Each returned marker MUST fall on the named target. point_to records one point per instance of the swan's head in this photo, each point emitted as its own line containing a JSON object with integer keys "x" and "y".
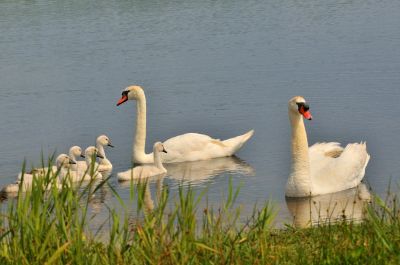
{"x": 75, "y": 151}
{"x": 64, "y": 161}
{"x": 92, "y": 151}
{"x": 130, "y": 93}
{"x": 104, "y": 140}
{"x": 159, "y": 147}
{"x": 299, "y": 106}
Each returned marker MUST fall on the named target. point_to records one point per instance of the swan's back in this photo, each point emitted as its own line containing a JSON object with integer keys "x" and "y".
{"x": 140, "y": 172}
{"x": 195, "y": 147}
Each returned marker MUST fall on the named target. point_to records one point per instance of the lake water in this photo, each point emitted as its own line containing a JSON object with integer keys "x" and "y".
{"x": 214, "y": 67}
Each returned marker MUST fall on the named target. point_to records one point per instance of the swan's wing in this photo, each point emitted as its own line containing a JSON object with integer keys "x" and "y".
{"x": 188, "y": 142}
{"x": 321, "y": 154}
{"x": 191, "y": 147}
{"x": 331, "y": 149}
{"x": 195, "y": 147}
{"x": 339, "y": 173}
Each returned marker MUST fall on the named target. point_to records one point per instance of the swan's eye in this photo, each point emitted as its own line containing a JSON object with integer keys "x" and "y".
{"x": 302, "y": 105}
{"x": 124, "y": 93}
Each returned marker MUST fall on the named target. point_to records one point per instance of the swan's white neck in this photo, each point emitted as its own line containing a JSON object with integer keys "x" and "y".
{"x": 299, "y": 182}
{"x": 157, "y": 160}
{"x": 89, "y": 160}
{"x": 100, "y": 149}
{"x": 139, "y": 141}
{"x": 72, "y": 156}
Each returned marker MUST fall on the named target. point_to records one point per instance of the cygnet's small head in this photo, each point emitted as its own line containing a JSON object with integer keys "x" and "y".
{"x": 75, "y": 151}
{"x": 92, "y": 151}
{"x": 130, "y": 93}
{"x": 64, "y": 161}
{"x": 159, "y": 147}
{"x": 104, "y": 140}
{"x": 299, "y": 106}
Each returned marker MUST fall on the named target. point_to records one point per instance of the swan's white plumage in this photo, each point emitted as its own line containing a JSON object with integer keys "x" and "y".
{"x": 104, "y": 163}
{"x": 324, "y": 167}
{"x": 146, "y": 171}
{"x": 332, "y": 174}
{"x": 195, "y": 147}
{"x": 84, "y": 175}
{"x": 186, "y": 147}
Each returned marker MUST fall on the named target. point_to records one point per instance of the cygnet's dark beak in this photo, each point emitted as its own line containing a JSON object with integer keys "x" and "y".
{"x": 110, "y": 145}
{"x": 72, "y": 162}
{"x": 83, "y": 156}
{"x": 100, "y": 156}
{"x": 164, "y": 151}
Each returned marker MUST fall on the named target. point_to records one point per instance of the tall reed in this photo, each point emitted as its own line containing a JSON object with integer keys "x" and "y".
{"x": 53, "y": 227}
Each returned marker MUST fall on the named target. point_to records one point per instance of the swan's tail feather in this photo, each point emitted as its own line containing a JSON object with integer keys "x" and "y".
{"x": 367, "y": 158}
{"x": 237, "y": 142}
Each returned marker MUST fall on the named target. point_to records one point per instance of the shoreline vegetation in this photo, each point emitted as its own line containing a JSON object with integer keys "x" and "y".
{"x": 53, "y": 227}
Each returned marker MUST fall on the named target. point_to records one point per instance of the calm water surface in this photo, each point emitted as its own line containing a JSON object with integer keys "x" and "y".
{"x": 214, "y": 67}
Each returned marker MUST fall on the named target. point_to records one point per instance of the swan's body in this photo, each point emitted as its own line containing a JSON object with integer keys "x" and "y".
{"x": 104, "y": 163}
{"x": 146, "y": 171}
{"x": 83, "y": 175}
{"x": 63, "y": 163}
{"x": 186, "y": 147}
{"x": 324, "y": 167}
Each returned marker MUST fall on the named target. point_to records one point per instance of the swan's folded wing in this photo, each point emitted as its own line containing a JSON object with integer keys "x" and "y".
{"x": 321, "y": 154}
{"x": 191, "y": 147}
{"x": 188, "y": 142}
{"x": 331, "y": 149}
{"x": 352, "y": 162}
{"x": 340, "y": 173}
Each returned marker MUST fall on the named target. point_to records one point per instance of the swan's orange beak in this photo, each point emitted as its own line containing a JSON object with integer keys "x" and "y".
{"x": 306, "y": 113}
{"x": 122, "y": 100}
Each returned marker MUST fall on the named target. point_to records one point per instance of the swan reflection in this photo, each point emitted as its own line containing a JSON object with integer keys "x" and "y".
{"x": 147, "y": 199}
{"x": 197, "y": 172}
{"x": 345, "y": 205}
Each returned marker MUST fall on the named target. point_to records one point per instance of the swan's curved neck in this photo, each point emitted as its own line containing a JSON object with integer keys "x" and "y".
{"x": 139, "y": 141}
{"x": 89, "y": 160}
{"x": 300, "y": 180}
{"x": 100, "y": 148}
{"x": 157, "y": 160}
{"x": 72, "y": 156}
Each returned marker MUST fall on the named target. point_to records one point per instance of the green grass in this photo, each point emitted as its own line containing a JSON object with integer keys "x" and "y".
{"x": 52, "y": 227}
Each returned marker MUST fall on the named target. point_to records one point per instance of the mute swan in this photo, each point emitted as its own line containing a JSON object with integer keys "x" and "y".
{"x": 185, "y": 147}
{"x": 324, "y": 167}
{"x": 63, "y": 163}
{"x": 104, "y": 163}
{"x": 90, "y": 158}
{"x": 146, "y": 170}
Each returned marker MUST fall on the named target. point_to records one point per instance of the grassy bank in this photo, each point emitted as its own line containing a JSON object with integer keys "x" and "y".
{"x": 52, "y": 227}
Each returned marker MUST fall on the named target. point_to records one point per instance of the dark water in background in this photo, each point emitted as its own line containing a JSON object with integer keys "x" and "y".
{"x": 214, "y": 67}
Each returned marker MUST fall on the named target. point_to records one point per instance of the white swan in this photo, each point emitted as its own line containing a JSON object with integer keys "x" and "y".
{"x": 63, "y": 163}
{"x": 91, "y": 170}
{"x": 185, "y": 147}
{"x": 104, "y": 163}
{"x": 146, "y": 171}
{"x": 324, "y": 167}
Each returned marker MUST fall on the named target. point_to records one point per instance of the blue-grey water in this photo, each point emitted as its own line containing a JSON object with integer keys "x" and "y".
{"x": 214, "y": 67}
